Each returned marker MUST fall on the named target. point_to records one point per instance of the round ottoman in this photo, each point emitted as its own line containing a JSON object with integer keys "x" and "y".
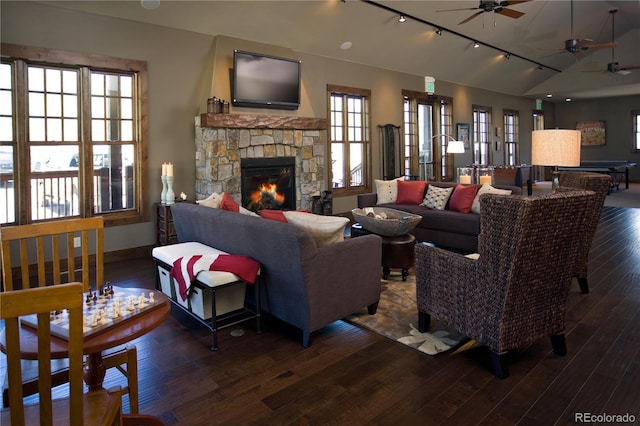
{"x": 397, "y": 252}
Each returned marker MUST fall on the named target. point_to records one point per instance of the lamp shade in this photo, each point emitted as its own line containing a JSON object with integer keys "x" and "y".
{"x": 555, "y": 147}
{"x": 455, "y": 147}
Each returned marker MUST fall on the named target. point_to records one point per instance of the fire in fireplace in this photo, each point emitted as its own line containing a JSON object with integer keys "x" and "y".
{"x": 268, "y": 183}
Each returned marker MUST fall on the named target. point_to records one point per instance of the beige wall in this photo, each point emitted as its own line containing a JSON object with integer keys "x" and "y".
{"x": 186, "y": 68}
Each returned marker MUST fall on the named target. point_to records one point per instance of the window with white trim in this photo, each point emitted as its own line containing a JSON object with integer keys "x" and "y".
{"x": 481, "y": 135}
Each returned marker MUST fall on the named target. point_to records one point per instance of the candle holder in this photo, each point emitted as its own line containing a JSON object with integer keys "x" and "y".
{"x": 484, "y": 175}
{"x": 163, "y": 194}
{"x": 170, "y": 196}
{"x": 465, "y": 175}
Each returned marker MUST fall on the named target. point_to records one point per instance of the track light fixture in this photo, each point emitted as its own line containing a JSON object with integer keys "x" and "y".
{"x": 439, "y": 29}
{"x": 402, "y": 19}
{"x": 476, "y": 44}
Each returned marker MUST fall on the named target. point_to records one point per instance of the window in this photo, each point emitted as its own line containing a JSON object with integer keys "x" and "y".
{"x": 511, "y": 131}
{"x": 349, "y": 154}
{"x": 76, "y": 136}
{"x": 635, "y": 115}
{"x": 428, "y": 123}
{"x": 481, "y": 135}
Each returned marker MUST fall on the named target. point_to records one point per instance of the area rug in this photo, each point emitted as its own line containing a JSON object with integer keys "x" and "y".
{"x": 397, "y": 319}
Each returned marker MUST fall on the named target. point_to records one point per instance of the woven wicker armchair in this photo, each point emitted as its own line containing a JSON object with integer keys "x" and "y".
{"x": 600, "y": 184}
{"x": 516, "y": 291}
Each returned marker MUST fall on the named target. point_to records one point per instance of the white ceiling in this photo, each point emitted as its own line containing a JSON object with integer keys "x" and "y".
{"x": 378, "y": 39}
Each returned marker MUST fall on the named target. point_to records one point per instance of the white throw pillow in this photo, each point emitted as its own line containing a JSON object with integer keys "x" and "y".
{"x": 248, "y": 212}
{"x": 486, "y": 189}
{"x": 387, "y": 190}
{"x": 212, "y": 201}
{"x": 325, "y": 230}
{"x": 436, "y": 197}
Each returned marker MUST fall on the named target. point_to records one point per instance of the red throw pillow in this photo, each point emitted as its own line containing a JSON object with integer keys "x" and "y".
{"x": 277, "y": 215}
{"x": 228, "y": 203}
{"x": 462, "y": 198}
{"x": 410, "y": 191}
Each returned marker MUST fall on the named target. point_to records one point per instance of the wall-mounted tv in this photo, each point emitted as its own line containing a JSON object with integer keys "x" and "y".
{"x": 265, "y": 81}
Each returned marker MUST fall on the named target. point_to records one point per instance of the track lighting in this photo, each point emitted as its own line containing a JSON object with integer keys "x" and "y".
{"x": 476, "y": 44}
{"x": 540, "y": 67}
{"x": 439, "y": 31}
{"x": 507, "y": 55}
{"x": 402, "y": 19}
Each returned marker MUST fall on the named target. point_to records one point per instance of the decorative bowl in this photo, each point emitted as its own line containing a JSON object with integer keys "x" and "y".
{"x": 385, "y": 221}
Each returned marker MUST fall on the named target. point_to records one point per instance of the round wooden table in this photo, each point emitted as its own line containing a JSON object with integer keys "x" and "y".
{"x": 117, "y": 334}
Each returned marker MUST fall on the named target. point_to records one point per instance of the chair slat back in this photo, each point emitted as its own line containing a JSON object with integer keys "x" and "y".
{"x": 51, "y": 246}
{"x": 42, "y": 301}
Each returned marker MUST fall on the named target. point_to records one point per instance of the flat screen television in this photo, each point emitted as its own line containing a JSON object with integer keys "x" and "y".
{"x": 265, "y": 81}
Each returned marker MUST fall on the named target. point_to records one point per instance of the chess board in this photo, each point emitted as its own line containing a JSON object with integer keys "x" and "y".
{"x": 100, "y": 304}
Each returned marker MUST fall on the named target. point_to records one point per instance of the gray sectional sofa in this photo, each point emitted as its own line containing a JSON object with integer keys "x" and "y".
{"x": 444, "y": 228}
{"x": 303, "y": 285}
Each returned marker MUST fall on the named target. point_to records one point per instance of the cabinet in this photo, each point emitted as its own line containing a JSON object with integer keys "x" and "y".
{"x": 164, "y": 225}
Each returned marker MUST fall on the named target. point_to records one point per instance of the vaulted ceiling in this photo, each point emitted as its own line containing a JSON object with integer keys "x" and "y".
{"x": 378, "y": 39}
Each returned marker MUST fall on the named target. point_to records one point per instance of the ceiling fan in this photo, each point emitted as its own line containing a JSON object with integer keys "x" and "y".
{"x": 579, "y": 46}
{"x": 614, "y": 66}
{"x": 499, "y": 7}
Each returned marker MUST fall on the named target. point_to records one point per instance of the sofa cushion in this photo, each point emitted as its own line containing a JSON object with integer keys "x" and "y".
{"x": 212, "y": 200}
{"x": 325, "y": 230}
{"x": 277, "y": 215}
{"x": 486, "y": 189}
{"x": 228, "y": 203}
{"x": 387, "y": 190}
{"x": 436, "y": 198}
{"x": 462, "y": 198}
{"x": 410, "y": 191}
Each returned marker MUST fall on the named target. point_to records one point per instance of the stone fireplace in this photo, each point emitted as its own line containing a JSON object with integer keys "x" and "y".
{"x": 224, "y": 140}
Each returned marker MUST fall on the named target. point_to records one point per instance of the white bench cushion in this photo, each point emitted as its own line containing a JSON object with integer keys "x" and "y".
{"x": 169, "y": 254}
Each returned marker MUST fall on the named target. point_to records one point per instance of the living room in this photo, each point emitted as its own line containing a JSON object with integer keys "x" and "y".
{"x": 185, "y": 68}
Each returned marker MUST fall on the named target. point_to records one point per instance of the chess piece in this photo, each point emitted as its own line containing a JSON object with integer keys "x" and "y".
{"x": 88, "y": 301}
{"x": 151, "y": 300}
{"x": 94, "y": 320}
{"x": 95, "y": 297}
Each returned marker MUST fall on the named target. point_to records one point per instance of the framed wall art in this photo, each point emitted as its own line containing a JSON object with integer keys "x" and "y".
{"x": 462, "y": 130}
{"x": 592, "y": 133}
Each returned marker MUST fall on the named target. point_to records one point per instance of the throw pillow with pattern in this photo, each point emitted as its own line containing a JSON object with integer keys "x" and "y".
{"x": 436, "y": 198}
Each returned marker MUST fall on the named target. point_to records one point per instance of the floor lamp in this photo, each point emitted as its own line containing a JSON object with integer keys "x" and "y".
{"x": 555, "y": 147}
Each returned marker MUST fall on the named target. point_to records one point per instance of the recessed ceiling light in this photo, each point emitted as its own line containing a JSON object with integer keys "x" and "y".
{"x": 402, "y": 19}
{"x": 567, "y": 99}
{"x": 346, "y": 45}
{"x": 150, "y": 4}
{"x": 549, "y": 95}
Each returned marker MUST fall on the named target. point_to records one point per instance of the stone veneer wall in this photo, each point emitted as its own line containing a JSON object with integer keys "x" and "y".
{"x": 219, "y": 150}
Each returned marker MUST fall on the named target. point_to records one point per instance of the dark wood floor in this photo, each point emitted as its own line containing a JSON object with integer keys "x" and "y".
{"x": 352, "y": 376}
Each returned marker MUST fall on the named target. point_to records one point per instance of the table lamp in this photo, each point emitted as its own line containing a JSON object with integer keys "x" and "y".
{"x": 555, "y": 147}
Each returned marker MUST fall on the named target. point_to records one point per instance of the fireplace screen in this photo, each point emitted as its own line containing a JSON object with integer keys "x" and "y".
{"x": 268, "y": 183}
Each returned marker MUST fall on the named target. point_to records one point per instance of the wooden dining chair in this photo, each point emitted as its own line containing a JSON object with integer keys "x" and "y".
{"x": 41, "y": 254}
{"x": 94, "y": 408}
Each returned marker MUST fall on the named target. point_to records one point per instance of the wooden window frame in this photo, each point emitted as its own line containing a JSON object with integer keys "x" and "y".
{"x": 349, "y": 190}
{"x": 23, "y": 56}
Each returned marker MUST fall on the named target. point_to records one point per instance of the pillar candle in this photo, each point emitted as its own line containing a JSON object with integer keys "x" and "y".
{"x": 465, "y": 179}
{"x": 164, "y": 169}
{"x": 169, "y": 169}
{"x": 485, "y": 179}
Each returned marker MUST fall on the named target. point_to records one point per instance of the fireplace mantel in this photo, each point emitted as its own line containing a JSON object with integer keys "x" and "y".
{"x": 247, "y": 121}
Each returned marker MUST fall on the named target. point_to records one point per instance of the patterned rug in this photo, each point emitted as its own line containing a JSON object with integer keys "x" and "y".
{"x": 397, "y": 319}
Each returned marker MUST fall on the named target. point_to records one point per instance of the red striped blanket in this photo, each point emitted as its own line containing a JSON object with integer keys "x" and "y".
{"x": 185, "y": 269}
